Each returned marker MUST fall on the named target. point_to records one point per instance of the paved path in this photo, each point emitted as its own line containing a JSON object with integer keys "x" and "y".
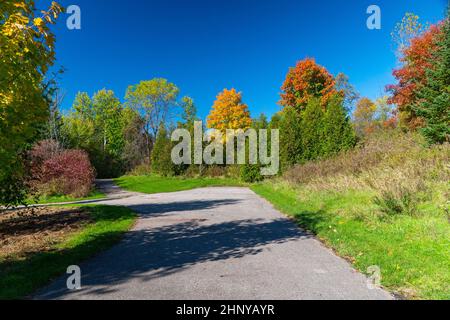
{"x": 213, "y": 243}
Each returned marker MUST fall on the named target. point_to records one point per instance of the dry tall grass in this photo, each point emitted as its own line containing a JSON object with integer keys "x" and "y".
{"x": 396, "y": 167}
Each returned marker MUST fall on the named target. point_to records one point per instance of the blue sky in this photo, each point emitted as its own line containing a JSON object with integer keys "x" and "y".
{"x": 205, "y": 46}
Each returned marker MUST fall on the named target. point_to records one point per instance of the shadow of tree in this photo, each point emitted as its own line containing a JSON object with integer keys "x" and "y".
{"x": 157, "y": 209}
{"x": 161, "y": 251}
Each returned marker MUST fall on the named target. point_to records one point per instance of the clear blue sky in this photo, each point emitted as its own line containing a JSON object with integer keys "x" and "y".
{"x": 205, "y": 46}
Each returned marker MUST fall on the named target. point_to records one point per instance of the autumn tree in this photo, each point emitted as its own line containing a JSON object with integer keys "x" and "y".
{"x": 364, "y": 116}
{"x": 433, "y": 103}
{"x": 27, "y": 52}
{"x": 229, "y": 112}
{"x": 416, "y": 59}
{"x": 409, "y": 28}
{"x": 307, "y": 80}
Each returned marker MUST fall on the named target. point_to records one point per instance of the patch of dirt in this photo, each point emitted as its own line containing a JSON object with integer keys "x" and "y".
{"x": 27, "y": 231}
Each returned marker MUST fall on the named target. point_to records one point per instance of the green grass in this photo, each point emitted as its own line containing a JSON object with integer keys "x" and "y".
{"x": 156, "y": 184}
{"x": 412, "y": 252}
{"x": 22, "y": 277}
{"x": 63, "y": 198}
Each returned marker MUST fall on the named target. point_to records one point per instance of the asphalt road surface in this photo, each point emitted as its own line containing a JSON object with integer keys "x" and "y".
{"x": 214, "y": 244}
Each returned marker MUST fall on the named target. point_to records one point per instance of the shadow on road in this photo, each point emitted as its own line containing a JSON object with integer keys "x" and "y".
{"x": 157, "y": 209}
{"x": 157, "y": 252}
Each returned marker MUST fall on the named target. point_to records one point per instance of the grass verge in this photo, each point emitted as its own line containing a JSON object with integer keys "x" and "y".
{"x": 21, "y": 275}
{"x": 61, "y": 199}
{"x": 156, "y": 184}
{"x": 412, "y": 252}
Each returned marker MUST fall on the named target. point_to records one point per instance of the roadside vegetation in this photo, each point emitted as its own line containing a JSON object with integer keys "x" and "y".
{"x": 383, "y": 204}
{"x": 37, "y": 245}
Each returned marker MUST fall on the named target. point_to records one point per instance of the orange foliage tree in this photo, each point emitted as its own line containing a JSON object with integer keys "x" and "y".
{"x": 305, "y": 81}
{"x": 229, "y": 112}
{"x": 416, "y": 60}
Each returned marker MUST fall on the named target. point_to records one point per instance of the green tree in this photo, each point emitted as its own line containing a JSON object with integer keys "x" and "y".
{"x": 135, "y": 151}
{"x": 189, "y": 115}
{"x": 290, "y": 137}
{"x": 154, "y": 99}
{"x": 434, "y": 96}
{"x": 161, "y": 154}
{"x": 312, "y": 131}
{"x": 261, "y": 122}
{"x": 338, "y": 133}
{"x": 97, "y": 126}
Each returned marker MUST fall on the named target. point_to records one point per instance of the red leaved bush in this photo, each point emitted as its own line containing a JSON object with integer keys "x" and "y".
{"x": 55, "y": 171}
{"x": 69, "y": 172}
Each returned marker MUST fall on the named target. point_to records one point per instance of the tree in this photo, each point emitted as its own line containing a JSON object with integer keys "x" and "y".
{"x": 229, "y": 112}
{"x": 260, "y": 123}
{"x": 364, "y": 116}
{"x": 154, "y": 99}
{"x": 306, "y": 81}
{"x": 97, "y": 126}
{"x": 161, "y": 154}
{"x": 291, "y": 148}
{"x": 416, "y": 60}
{"x": 107, "y": 116}
{"x": 189, "y": 115}
{"x": 27, "y": 52}
{"x": 346, "y": 90}
{"x": 312, "y": 131}
{"x": 135, "y": 151}
{"x": 338, "y": 134}
{"x": 406, "y": 30}
{"x": 433, "y": 103}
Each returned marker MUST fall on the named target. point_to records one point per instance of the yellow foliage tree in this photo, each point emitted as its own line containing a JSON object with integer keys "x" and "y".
{"x": 26, "y": 53}
{"x": 229, "y": 112}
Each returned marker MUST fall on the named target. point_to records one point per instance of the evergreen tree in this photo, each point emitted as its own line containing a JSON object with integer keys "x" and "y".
{"x": 290, "y": 137}
{"x": 161, "y": 154}
{"x": 434, "y": 96}
{"x": 338, "y": 131}
{"x": 312, "y": 131}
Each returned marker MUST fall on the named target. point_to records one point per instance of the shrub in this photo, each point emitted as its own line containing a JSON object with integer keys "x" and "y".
{"x": 69, "y": 173}
{"x": 251, "y": 173}
{"x": 390, "y": 203}
{"x": 214, "y": 171}
{"x": 141, "y": 170}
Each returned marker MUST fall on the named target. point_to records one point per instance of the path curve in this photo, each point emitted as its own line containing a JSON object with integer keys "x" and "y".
{"x": 212, "y": 243}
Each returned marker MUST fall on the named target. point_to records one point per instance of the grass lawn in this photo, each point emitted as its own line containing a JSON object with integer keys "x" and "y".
{"x": 61, "y": 199}
{"x": 412, "y": 252}
{"x": 156, "y": 184}
{"x": 40, "y": 247}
